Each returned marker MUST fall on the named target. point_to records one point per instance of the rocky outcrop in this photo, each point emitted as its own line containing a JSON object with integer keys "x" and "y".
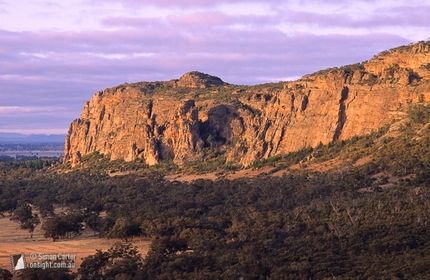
{"x": 199, "y": 80}
{"x": 182, "y": 119}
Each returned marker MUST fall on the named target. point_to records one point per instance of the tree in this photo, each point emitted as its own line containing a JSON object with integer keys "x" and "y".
{"x": 94, "y": 222}
{"x": 22, "y": 213}
{"x": 31, "y": 224}
{"x": 121, "y": 261}
{"x": 44, "y": 205}
{"x": 24, "y": 216}
{"x": 46, "y": 274}
{"x": 7, "y": 205}
{"x": 124, "y": 228}
{"x": 54, "y": 228}
{"x": 63, "y": 226}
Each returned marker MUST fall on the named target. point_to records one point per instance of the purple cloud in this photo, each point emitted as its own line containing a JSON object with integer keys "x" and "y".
{"x": 398, "y": 16}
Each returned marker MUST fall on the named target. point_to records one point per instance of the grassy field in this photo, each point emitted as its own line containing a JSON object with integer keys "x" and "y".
{"x": 14, "y": 241}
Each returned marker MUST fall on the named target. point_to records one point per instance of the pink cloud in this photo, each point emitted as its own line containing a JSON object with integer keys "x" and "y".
{"x": 201, "y": 18}
{"x": 132, "y": 22}
{"x": 315, "y": 18}
{"x": 180, "y": 4}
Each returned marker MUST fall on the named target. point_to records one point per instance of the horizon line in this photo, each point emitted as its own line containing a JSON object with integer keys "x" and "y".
{"x": 53, "y": 131}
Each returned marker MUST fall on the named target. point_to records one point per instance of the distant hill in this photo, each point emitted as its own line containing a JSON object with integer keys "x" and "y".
{"x": 31, "y": 138}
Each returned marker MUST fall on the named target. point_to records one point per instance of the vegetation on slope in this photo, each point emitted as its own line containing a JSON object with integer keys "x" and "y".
{"x": 347, "y": 222}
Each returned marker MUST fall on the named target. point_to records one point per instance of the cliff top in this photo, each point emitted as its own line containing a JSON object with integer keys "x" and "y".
{"x": 406, "y": 57}
{"x": 197, "y": 79}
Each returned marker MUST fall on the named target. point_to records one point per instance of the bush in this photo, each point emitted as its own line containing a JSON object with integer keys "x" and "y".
{"x": 419, "y": 113}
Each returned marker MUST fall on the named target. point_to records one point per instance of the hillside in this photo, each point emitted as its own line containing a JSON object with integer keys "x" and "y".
{"x": 188, "y": 119}
{"x": 351, "y": 209}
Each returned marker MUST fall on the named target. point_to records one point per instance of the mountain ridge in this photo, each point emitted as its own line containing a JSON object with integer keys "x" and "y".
{"x": 198, "y": 115}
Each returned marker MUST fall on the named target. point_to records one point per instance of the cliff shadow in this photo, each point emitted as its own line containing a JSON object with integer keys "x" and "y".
{"x": 217, "y": 129}
{"x": 342, "y": 113}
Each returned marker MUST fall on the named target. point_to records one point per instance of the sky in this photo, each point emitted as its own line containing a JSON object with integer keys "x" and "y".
{"x": 55, "y": 54}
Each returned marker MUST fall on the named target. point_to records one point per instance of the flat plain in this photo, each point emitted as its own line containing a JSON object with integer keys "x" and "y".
{"x": 13, "y": 240}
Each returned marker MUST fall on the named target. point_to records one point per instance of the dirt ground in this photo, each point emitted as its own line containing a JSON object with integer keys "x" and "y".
{"x": 16, "y": 241}
{"x": 250, "y": 173}
{"x": 214, "y": 175}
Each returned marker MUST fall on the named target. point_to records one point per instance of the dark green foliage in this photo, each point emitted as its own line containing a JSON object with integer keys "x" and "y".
{"x": 419, "y": 113}
{"x": 22, "y": 213}
{"x": 6, "y": 158}
{"x": 124, "y": 228}
{"x": 122, "y": 261}
{"x": 353, "y": 67}
{"x": 349, "y": 223}
{"x": 287, "y": 159}
{"x": 46, "y": 274}
{"x": 63, "y": 225}
{"x": 34, "y": 163}
{"x": 347, "y": 69}
{"x": 94, "y": 222}
{"x": 24, "y": 216}
{"x": 44, "y": 205}
{"x": 307, "y": 225}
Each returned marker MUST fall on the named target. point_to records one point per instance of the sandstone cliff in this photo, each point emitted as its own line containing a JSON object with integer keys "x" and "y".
{"x": 182, "y": 119}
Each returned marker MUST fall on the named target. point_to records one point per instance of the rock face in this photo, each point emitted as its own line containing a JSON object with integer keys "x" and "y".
{"x": 199, "y": 80}
{"x": 182, "y": 119}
